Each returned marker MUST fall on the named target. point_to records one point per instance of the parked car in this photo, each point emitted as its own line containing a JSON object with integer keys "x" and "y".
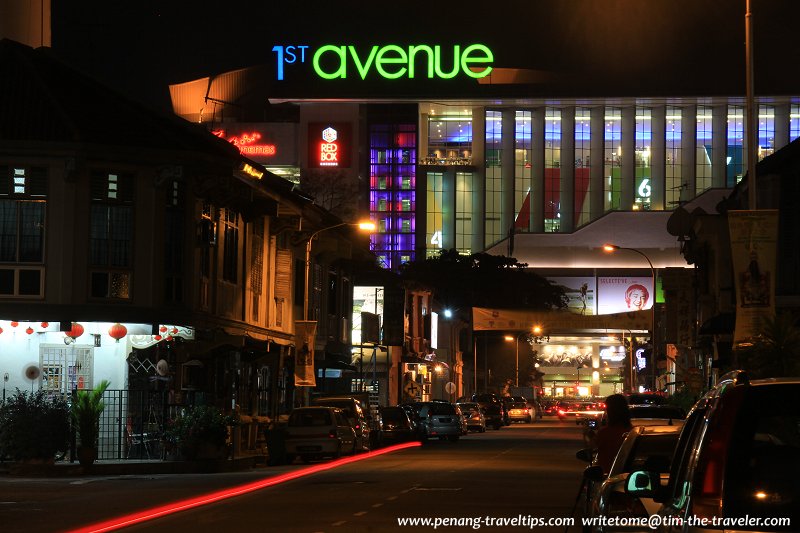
{"x": 492, "y": 409}
{"x": 396, "y": 426}
{"x": 441, "y": 419}
{"x": 412, "y": 410}
{"x": 315, "y": 432}
{"x": 520, "y": 412}
{"x": 355, "y": 414}
{"x": 549, "y": 407}
{"x": 649, "y": 447}
{"x": 738, "y": 458}
{"x": 473, "y": 412}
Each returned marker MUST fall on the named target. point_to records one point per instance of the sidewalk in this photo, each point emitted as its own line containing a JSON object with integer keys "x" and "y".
{"x": 133, "y": 467}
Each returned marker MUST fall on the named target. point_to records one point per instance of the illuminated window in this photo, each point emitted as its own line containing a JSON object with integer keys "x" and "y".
{"x": 766, "y": 131}
{"x": 703, "y": 147}
{"x": 449, "y": 138}
{"x": 794, "y": 122}
{"x": 674, "y": 180}
{"x": 734, "y": 157}
{"x": 522, "y": 165}
{"x": 583, "y": 154}
{"x": 435, "y": 215}
{"x": 464, "y": 226}
{"x": 552, "y": 169}
{"x": 612, "y": 178}
{"x": 643, "y": 192}
{"x": 494, "y": 181}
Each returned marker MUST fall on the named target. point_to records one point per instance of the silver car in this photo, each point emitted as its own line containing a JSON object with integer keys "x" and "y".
{"x": 441, "y": 419}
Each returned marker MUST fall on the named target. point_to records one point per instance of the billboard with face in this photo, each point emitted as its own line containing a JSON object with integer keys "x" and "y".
{"x": 620, "y": 294}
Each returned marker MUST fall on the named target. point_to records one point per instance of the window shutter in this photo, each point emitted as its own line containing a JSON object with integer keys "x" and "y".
{"x": 283, "y": 274}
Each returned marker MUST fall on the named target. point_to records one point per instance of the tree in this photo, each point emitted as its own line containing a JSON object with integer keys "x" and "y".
{"x": 483, "y": 280}
{"x": 776, "y": 352}
{"x": 333, "y": 190}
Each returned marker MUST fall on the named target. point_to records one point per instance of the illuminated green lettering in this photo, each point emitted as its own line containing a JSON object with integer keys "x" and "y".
{"x": 412, "y": 52}
{"x": 363, "y": 68}
{"x": 392, "y": 61}
{"x": 467, "y": 57}
{"x": 437, "y": 52}
{"x": 383, "y": 60}
{"x": 339, "y": 51}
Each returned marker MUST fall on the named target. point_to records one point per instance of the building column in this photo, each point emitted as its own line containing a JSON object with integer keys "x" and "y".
{"x": 627, "y": 162}
{"x": 537, "y": 170}
{"x": 781, "y": 125}
{"x": 507, "y": 163}
{"x": 478, "y": 179}
{"x": 688, "y": 152}
{"x": 597, "y": 157}
{"x": 567, "y": 165}
{"x": 658, "y": 157}
{"x": 719, "y": 146}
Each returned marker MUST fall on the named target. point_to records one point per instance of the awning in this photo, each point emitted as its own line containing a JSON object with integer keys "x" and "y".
{"x": 720, "y": 324}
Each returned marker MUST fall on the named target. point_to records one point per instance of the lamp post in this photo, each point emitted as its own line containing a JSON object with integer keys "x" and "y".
{"x": 613, "y": 248}
{"x": 363, "y": 226}
{"x": 510, "y": 338}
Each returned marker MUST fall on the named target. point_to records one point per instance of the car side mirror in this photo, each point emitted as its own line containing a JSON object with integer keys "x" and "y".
{"x": 594, "y": 473}
{"x": 586, "y": 455}
{"x": 644, "y": 484}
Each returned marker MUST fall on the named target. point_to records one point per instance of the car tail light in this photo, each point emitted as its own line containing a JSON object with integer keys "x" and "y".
{"x": 332, "y": 434}
{"x": 713, "y": 456}
{"x": 561, "y": 412}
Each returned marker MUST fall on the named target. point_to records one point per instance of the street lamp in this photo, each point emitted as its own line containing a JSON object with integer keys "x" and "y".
{"x": 510, "y": 338}
{"x": 363, "y": 226}
{"x": 613, "y": 248}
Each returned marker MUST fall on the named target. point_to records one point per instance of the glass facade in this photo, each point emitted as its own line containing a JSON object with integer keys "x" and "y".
{"x": 449, "y": 139}
{"x": 705, "y": 132}
{"x": 612, "y": 148}
{"x": 494, "y": 178}
{"x": 766, "y": 131}
{"x": 434, "y": 228}
{"x": 735, "y": 161}
{"x": 392, "y": 200}
{"x": 643, "y": 185}
{"x": 552, "y": 170}
{"x": 464, "y": 227}
{"x": 522, "y": 168}
{"x": 794, "y": 122}
{"x": 673, "y": 160}
{"x": 583, "y": 155}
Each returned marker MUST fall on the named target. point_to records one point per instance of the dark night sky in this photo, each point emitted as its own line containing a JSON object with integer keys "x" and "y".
{"x": 143, "y": 45}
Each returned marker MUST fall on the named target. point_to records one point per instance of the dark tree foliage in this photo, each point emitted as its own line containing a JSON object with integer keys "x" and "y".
{"x": 483, "y": 280}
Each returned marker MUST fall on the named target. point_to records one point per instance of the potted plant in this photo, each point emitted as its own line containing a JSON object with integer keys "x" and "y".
{"x": 34, "y": 427}
{"x": 86, "y": 410}
{"x": 201, "y": 432}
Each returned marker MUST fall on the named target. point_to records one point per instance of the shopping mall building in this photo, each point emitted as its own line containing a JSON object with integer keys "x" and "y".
{"x": 542, "y": 148}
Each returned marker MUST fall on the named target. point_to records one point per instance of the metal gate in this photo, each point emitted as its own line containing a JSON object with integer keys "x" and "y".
{"x": 132, "y": 425}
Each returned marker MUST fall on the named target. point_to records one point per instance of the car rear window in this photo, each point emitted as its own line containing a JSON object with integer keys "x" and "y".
{"x": 344, "y": 405}
{"x": 393, "y": 415}
{"x": 658, "y": 411}
{"x": 310, "y": 417}
{"x": 438, "y": 408}
{"x": 761, "y": 477}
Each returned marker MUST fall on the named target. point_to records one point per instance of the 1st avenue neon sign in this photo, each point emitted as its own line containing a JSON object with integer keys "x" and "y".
{"x": 389, "y": 62}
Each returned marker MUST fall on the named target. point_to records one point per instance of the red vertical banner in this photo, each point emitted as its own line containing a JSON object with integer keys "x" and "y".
{"x": 754, "y": 247}
{"x": 304, "y": 333}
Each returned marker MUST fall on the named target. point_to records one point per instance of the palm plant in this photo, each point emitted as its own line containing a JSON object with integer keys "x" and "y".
{"x": 86, "y": 410}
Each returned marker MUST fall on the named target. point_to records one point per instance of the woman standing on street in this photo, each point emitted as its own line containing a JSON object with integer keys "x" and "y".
{"x": 609, "y": 439}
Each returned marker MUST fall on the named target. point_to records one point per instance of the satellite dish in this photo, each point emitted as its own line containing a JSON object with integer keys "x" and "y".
{"x": 32, "y": 372}
{"x": 162, "y": 367}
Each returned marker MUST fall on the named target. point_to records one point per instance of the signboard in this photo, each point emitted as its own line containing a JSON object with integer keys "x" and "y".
{"x": 388, "y": 61}
{"x": 265, "y": 143}
{"x": 366, "y": 300}
{"x": 580, "y": 293}
{"x": 622, "y": 294}
{"x": 305, "y": 332}
{"x": 329, "y": 145}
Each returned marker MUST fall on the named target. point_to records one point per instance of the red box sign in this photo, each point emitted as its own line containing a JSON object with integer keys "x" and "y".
{"x": 329, "y": 145}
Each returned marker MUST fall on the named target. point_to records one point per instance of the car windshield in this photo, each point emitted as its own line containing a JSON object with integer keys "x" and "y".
{"x": 310, "y": 417}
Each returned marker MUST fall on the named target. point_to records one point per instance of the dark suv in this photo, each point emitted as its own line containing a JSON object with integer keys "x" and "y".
{"x": 737, "y": 458}
{"x": 493, "y": 408}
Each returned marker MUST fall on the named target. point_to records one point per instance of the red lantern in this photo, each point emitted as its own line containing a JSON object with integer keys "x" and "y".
{"x": 76, "y": 331}
{"x": 169, "y": 338}
{"x": 1, "y": 330}
{"x": 174, "y": 331}
{"x": 163, "y": 329}
{"x": 14, "y": 324}
{"x": 45, "y": 325}
{"x": 29, "y": 330}
{"x": 117, "y": 331}
{"x": 157, "y": 337}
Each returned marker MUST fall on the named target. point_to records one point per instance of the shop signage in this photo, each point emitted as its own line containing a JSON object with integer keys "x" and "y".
{"x": 329, "y": 145}
{"x": 248, "y": 143}
{"x": 389, "y": 61}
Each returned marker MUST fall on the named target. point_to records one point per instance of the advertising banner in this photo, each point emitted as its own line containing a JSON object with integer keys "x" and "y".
{"x": 485, "y": 319}
{"x": 622, "y": 293}
{"x": 580, "y": 293}
{"x": 304, "y": 333}
{"x": 754, "y": 240}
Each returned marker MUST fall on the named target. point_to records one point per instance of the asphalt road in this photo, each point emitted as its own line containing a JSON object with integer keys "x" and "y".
{"x": 528, "y": 472}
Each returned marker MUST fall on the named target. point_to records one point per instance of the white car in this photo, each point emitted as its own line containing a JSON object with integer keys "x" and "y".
{"x": 316, "y": 432}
